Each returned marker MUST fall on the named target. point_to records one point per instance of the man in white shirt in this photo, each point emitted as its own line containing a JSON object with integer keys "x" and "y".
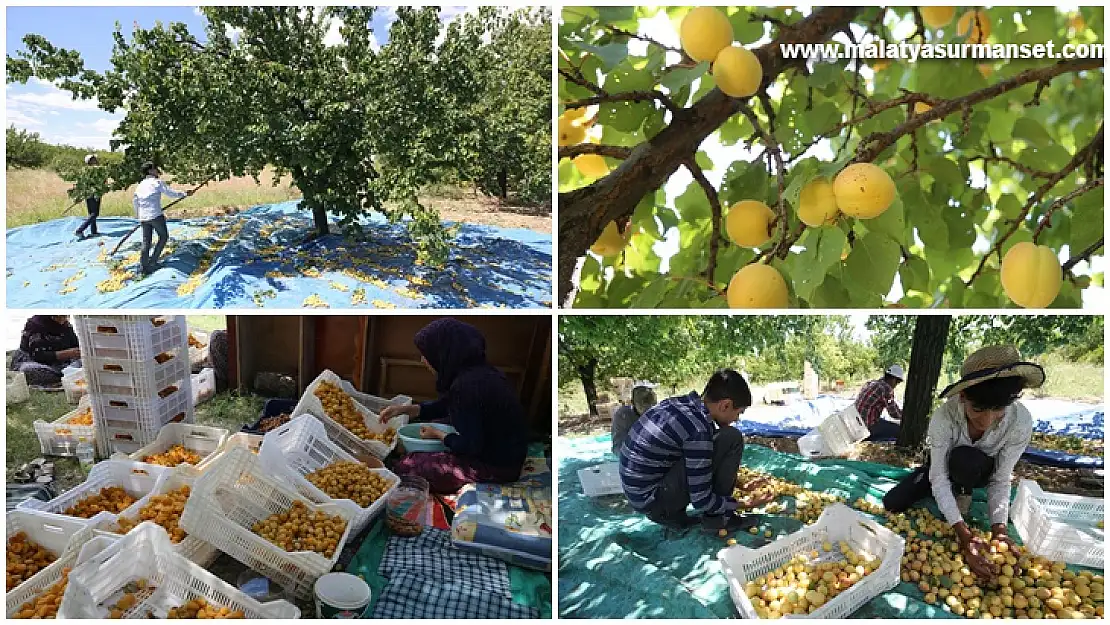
{"x": 976, "y": 438}
{"x": 148, "y": 209}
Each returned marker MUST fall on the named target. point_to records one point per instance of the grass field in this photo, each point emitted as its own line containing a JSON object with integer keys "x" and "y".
{"x": 226, "y": 410}
{"x": 37, "y": 195}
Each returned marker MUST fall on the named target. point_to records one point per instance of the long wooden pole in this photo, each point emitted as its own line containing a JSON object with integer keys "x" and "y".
{"x": 167, "y": 207}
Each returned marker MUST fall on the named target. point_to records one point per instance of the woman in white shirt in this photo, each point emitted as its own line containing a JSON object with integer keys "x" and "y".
{"x": 148, "y": 209}
{"x": 976, "y": 437}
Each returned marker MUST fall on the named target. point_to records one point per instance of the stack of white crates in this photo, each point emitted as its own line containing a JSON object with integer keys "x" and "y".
{"x": 138, "y": 374}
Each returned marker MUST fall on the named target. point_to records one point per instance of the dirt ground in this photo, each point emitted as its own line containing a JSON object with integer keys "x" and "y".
{"x": 1068, "y": 481}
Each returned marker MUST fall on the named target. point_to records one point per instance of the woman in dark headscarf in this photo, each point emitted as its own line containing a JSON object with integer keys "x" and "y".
{"x": 477, "y": 400}
{"x": 47, "y": 347}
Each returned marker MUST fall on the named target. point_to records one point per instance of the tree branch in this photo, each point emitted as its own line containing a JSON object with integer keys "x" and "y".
{"x": 620, "y": 31}
{"x": 628, "y": 96}
{"x": 1060, "y": 202}
{"x": 775, "y": 153}
{"x": 715, "y": 204}
{"x": 876, "y": 143}
{"x": 580, "y": 80}
{"x": 1025, "y": 169}
{"x": 1081, "y": 157}
{"x": 612, "y": 151}
{"x": 583, "y": 213}
{"x": 1084, "y": 255}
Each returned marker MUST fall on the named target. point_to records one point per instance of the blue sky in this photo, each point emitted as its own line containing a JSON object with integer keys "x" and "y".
{"x": 40, "y": 107}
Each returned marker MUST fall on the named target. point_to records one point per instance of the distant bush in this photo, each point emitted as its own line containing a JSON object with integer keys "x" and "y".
{"x": 26, "y": 149}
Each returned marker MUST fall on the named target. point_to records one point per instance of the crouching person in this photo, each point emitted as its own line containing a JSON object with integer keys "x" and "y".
{"x": 685, "y": 451}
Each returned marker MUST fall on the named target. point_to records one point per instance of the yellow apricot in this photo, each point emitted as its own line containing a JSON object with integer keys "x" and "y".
{"x": 1031, "y": 275}
{"x": 757, "y": 286}
{"x": 704, "y": 32}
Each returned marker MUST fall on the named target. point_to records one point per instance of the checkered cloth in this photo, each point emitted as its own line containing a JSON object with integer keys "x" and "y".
{"x": 430, "y": 578}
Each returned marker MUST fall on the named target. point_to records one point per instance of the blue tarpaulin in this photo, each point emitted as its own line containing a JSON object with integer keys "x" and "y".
{"x": 1050, "y": 416}
{"x": 259, "y": 258}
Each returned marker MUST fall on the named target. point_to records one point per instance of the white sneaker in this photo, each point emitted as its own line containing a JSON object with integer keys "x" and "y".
{"x": 963, "y": 502}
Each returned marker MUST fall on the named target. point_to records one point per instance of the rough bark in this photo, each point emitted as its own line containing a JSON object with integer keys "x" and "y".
{"x": 587, "y": 373}
{"x": 583, "y": 213}
{"x": 930, "y": 336}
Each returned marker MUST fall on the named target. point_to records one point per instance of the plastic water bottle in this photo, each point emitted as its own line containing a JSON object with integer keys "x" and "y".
{"x": 86, "y": 455}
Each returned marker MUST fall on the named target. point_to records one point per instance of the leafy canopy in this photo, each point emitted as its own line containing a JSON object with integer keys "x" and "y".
{"x": 1010, "y": 151}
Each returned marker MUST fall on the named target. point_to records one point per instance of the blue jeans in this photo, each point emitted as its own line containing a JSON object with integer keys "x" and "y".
{"x": 158, "y": 224}
{"x": 883, "y": 430}
{"x": 93, "y": 206}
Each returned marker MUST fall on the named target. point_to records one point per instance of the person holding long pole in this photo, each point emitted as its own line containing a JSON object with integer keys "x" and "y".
{"x": 148, "y": 209}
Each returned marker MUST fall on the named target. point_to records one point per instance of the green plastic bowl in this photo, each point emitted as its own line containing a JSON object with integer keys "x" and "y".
{"x": 410, "y": 436}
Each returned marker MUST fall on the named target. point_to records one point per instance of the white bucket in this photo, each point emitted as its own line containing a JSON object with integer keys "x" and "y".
{"x": 341, "y": 595}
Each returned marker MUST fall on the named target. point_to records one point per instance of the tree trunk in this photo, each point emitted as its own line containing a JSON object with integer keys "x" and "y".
{"x": 319, "y": 213}
{"x": 584, "y": 213}
{"x": 503, "y": 183}
{"x": 930, "y": 336}
{"x": 589, "y": 385}
{"x": 320, "y": 217}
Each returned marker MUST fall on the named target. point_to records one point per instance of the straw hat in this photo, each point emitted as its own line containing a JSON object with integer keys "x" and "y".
{"x": 995, "y": 361}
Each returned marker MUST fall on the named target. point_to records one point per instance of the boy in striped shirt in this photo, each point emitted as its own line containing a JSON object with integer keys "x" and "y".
{"x": 684, "y": 451}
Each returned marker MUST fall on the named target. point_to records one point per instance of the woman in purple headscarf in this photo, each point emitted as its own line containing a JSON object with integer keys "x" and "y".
{"x": 477, "y": 400}
{"x": 47, "y": 347}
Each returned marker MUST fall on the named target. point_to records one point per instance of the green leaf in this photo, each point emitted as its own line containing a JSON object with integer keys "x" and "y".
{"x": 873, "y": 263}
{"x": 914, "y": 273}
{"x": 703, "y": 161}
{"x": 930, "y": 225}
{"x": 823, "y": 249}
{"x": 1009, "y": 206}
{"x": 744, "y": 29}
{"x": 946, "y": 171}
{"x": 652, "y": 294}
{"x": 680, "y": 77}
{"x": 610, "y": 54}
{"x": 891, "y": 223}
{"x": 1029, "y": 130}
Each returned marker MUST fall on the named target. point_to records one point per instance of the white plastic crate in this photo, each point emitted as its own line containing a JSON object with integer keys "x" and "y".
{"x": 133, "y": 378}
{"x": 837, "y": 523}
{"x": 250, "y": 442}
{"x": 192, "y": 548}
{"x": 130, "y": 337}
{"x": 357, "y": 447}
{"x": 841, "y": 431}
{"x": 301, "y": 447}
{"x": 75, "y": 386}
{"x": 146, "y": 553}
{"x": 136, "y": 478}
{"x": 18, "y": 391}
{"x": 601, "y": 480}
{"x": 32, "y": 588}
{"x": 233, "y": 494}
{"x": 198, "y": 355}
{"x": 50, "y": 531}
{"x": 1060, "y": 527}
{"x": 202, "y": 439}
{"x": 150, "y": 413}
{"x": 204, "y": 386}
{"x": 59, "y": 437}
{"x": 813, "y": 446}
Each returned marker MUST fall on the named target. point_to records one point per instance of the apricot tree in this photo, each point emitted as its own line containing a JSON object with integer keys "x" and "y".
{"x": 890, "y": 183}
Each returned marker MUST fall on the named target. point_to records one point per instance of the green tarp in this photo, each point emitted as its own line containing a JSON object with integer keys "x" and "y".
{"x": 614, "y": 563}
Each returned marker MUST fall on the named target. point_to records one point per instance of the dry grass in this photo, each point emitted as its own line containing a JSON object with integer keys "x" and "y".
{"x": 36, "y": 195}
